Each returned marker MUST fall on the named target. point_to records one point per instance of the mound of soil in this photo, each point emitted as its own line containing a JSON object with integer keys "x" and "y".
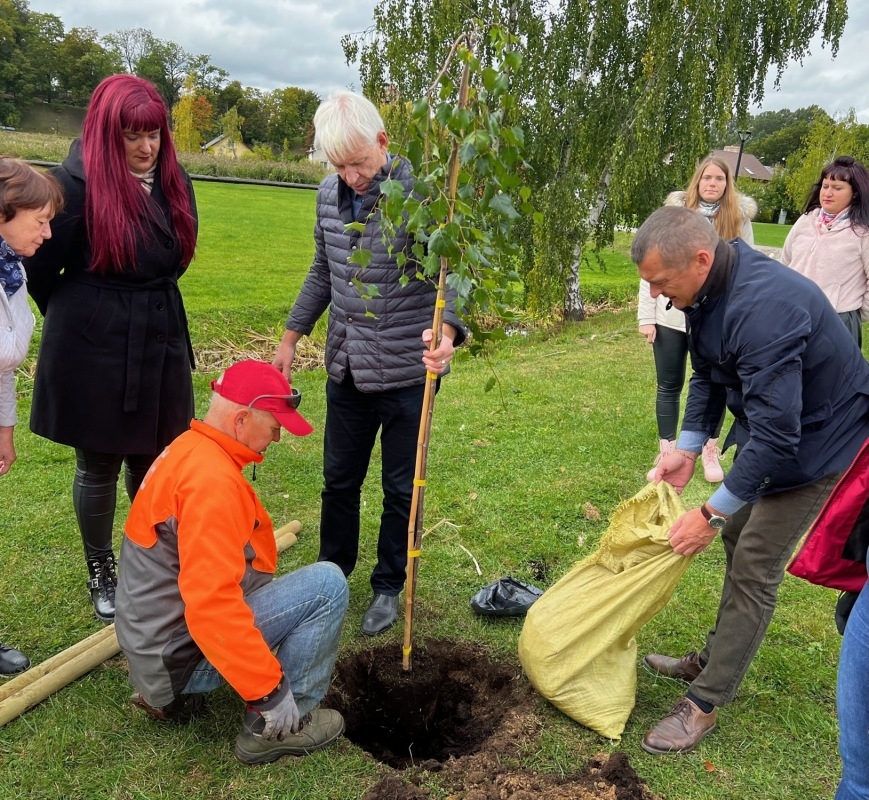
{"x": 463, "y": 717}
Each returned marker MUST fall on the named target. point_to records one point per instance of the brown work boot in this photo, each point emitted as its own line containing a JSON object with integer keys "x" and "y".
{"x": 181, "y": 710}
{"x": 686, "y": 668}
{"x": 681, "y": 730}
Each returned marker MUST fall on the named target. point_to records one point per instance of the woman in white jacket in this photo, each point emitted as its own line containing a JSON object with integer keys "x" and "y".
{"x": 711, "y": 193}
{"x": 28, "y": 202}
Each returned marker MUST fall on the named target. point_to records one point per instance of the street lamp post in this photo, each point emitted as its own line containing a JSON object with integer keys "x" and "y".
{"x": 744, "y": 136}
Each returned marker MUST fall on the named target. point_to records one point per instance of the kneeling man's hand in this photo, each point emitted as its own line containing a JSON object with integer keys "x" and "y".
{"x": 280, "y": 713}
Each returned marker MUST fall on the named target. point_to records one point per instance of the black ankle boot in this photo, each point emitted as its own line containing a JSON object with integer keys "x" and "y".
{"x": 102, "y": 587}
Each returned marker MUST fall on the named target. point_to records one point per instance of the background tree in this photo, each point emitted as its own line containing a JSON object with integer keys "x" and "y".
{"x": 43, "y": 37}
{"x": 208, "y": 78}
{"x": 204, "y": 120}
{"x": 82, "y": 63}
{"x": 165, "y": 64}
{"x": 230, "y": 124}
{"x": 618, "y": 99}
{"x": 291, "y": 111}
{"x": 130, "y": 45}
{"x": 253, "y": 109}
{"x": 16, "y": 85}
{"x": 185, "y": 135}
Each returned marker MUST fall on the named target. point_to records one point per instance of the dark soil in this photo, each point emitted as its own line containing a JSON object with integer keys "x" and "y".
{"x": 463, "y": 719}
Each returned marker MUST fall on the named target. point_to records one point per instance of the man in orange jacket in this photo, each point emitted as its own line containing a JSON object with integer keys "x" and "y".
{"x": 197, "y": 602}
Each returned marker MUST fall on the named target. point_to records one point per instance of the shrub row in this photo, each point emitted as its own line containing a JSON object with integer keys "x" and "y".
{"x": 53, "y": 148}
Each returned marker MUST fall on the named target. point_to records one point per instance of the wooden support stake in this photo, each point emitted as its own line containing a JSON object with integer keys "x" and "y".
{"x": 39, "y": 682}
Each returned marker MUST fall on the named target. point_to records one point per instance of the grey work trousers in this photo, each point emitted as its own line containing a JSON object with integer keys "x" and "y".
{"x": 759, "y": 541}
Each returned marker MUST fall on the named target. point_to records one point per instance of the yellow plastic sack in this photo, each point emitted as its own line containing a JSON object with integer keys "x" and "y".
{"x": 577, "y": 644}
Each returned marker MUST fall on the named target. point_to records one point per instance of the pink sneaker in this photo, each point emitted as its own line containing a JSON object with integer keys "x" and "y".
{"x": 711, "y": 468}
{"x": 665, "y": 446}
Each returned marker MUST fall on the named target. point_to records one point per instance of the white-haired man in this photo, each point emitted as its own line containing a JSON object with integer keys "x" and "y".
{"x": 377, "y": 355}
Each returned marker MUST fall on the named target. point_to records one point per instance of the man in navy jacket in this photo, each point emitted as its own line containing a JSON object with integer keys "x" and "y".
{"x": 766, "y": 342}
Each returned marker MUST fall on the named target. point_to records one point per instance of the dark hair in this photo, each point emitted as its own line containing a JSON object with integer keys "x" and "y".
{"x": 852, "y": 172}
{"x": 115, "y": 205}
{"x": 21, "y": 186}
{"x": 676, "y": 232}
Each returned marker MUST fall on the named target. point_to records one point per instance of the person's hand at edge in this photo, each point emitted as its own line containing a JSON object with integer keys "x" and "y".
{"x": 691, "y": 533}
{"x": 676, "y": 468}
{"x": 436, "y": 361}
{"x": 279, "y": 711}
{"x": 649, "y": 331}
{"x": 286, "y": 353}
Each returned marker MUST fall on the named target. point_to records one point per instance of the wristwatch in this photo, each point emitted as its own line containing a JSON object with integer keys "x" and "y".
{"x": 713, "y": 519}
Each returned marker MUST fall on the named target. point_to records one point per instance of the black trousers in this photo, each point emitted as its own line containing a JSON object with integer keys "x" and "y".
{"x": 670, "y": 349}
{"x": 95, "y": 492}
{"x": 353, "y": 419}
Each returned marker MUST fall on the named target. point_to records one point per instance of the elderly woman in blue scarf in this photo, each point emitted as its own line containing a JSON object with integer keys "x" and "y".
{"x": 28, "y": 202}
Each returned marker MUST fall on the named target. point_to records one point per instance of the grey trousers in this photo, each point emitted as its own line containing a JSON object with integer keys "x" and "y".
{"x": 759, "y": 541}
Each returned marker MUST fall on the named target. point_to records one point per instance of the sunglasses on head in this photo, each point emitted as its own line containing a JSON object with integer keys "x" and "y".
{"x": 292, "y": 400}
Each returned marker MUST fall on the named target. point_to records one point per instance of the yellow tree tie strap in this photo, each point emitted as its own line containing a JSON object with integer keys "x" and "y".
{"x": 440, "y": 303}
{"x": 414, "y": 553}
{"x": 419, "y": 481}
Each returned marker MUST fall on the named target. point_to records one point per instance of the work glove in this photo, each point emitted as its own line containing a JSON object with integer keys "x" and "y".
{"x": 279, "y": 712}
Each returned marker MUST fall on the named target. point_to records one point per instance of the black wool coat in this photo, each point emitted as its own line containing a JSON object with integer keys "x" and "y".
{"x": 113, "y": 373}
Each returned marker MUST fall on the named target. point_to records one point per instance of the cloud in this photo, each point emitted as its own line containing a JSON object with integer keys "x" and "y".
{"x": 265, "y": 44}
{"x": 836, "y": 85}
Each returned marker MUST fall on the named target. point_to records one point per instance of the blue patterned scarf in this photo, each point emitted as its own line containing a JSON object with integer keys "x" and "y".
{"x": 11, "y": 273}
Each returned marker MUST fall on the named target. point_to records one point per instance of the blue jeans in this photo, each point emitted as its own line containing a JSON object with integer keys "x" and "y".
{"x": 353, "y": 419}
{"x": 301, "y": 615}
{"x": 852, "y": 702}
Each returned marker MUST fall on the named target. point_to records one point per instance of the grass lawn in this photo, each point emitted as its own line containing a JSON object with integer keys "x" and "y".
{"x": 527, "y": 475}
{"x": 770, "y": 234}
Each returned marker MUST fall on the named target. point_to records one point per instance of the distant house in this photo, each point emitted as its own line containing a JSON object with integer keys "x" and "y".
{"x": 319, "y": 157}
{"x": 222, "y": 146}
{"x": 749, "y": 166}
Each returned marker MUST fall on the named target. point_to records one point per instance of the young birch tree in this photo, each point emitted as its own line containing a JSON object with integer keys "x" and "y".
{"x": 617, "y": 99}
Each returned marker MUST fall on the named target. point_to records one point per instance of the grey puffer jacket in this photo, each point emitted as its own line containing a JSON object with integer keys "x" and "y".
{"x": 379, "y": 338}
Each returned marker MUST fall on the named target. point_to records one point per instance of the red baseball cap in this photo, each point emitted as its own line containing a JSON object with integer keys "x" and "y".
{"x": 260, "y": 385}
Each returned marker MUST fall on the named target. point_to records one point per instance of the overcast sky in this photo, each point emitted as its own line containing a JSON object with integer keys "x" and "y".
{"x": 270, "y": 44}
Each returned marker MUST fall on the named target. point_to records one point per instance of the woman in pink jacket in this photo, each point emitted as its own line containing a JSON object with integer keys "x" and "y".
{"x": 829, "y": 243}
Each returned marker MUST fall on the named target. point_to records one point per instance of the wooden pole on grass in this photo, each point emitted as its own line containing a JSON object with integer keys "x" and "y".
{"x": 417, "y": 505}
{"x": 43, "y": 680}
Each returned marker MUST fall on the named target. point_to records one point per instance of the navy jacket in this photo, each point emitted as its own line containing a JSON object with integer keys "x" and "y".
{"x": 766, "y": 341}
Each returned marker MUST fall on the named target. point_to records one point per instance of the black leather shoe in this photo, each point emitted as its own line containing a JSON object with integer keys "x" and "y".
{"x": 12, "y": 661}
{"x": 380, "y": 615}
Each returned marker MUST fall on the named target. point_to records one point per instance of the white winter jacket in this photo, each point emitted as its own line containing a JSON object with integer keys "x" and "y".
{"x": 653, "y": 311}
{"x": 16, "y": 328}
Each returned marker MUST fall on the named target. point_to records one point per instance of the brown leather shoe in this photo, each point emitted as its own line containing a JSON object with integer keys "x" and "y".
{"x": 686, "y": 668}
{"x": 681, "y": 730}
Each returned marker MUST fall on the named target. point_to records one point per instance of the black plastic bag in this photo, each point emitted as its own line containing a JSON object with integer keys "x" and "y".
{"x": 505, "y": 598}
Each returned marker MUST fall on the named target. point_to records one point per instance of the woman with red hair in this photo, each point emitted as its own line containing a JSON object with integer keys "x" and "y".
{"x": 113, "y": 377}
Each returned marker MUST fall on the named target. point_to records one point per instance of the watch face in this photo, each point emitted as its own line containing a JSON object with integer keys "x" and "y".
{"x": 717, "y": 522}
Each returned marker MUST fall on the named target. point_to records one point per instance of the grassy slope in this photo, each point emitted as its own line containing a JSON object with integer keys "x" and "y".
{"x": 521, "y": 473}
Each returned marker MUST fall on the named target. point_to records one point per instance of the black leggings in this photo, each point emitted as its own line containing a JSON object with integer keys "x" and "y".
{"x": 670, "y": 349}
{"x": 95, "y": 492}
